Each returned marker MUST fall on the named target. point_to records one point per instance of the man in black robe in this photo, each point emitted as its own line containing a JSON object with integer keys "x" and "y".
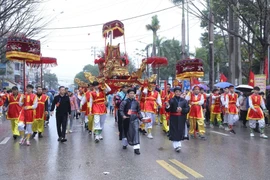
{"x": 131, "y": 114}
{"x": 178, "y": 108}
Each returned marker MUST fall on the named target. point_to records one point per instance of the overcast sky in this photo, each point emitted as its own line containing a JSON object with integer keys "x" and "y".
{"x": 72, "y": 47}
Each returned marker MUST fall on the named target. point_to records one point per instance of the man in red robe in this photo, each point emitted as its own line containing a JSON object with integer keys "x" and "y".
{"x": 85, "y": 103}
{"x": 41, "y": 113}
{"x": 14, "y": 110}
{"x": 233, "y": 108}
{"x": 164, "y": 116}
{"x": 151, "y": 102}
{"x": 255, "y": 113}
{"x": 29, "y": 103}
{"x": 215, "y": 109}
{"x": 98, "y": 108}
{"x": 196, "y": 100}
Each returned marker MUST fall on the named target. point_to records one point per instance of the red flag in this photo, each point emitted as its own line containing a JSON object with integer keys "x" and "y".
{"x": 266, "y": 67}
{"x": 251, "y": 79}
{"x": 223, "y": 78}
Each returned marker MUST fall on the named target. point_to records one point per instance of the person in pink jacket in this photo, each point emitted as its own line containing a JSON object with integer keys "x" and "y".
{"x": 74, "y": 109}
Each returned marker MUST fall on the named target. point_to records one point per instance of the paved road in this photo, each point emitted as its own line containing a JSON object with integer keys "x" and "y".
{"x": 222, "y": 157}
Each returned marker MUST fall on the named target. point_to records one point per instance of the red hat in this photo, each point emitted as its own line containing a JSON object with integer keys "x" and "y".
{"x": 195, "y": 86}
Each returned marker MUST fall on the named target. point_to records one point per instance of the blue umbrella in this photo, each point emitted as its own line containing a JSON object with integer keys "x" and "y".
{"x": 223, "y": 84}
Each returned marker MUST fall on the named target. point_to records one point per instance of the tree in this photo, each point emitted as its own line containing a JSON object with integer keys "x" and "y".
{"x": 171, "y": 49}
{"x": 254, "y": 23}
{"x": 131, "y": 66}
{"x": 92, "y": 69}
{"x": 154, "y": 27}
{"x": 20, "y": 18}
{"x": 87, "y": 68}
{"x": 51, "y": 81}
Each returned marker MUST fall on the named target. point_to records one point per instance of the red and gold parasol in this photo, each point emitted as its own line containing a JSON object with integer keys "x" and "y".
{"x": 115, "y": 27}
{"x": 47, "y": 61}
{"x": 156, "y": 61}
{"x": 189, "y": 68}
{"x": 22, "y": 49}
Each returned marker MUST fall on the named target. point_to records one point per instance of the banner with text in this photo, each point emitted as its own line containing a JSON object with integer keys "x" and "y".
{"x": 260, "y": 81}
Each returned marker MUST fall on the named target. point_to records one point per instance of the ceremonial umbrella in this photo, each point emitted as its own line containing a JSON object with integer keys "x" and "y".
{"x": 244, "y": 88}
{"x": 47, "y": 61}
{"x": 156, "y": 62}
{"x": 22, "y": 49}
{"x": 223, "y": 84}
{"x": 116, "y": 28}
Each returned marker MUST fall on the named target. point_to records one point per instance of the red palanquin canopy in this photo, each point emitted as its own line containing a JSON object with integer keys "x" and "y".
{"x": 22, "y": 49}
{"x": 189, "y": 68}
{"x": 49, "y": 61}
{"x": 116, "y": 27}
{"x": 156, "y": 61}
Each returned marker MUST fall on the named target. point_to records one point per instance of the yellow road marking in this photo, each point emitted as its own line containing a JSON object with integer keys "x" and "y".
{"x": 185, "y": 168}
{"x": 171, "y": 169}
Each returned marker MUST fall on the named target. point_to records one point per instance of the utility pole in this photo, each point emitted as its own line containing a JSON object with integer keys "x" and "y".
{"x": 237, "y": 50}
{"x": 184, "y": 54}
{"x": 231, "y": 48}
{"x": 187, "y": 29}
{"x": 211, "y": 46}
{"x": 93, "y": 50}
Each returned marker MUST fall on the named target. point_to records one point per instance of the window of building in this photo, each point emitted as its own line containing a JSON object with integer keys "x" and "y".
{"x": 17, "y": 66}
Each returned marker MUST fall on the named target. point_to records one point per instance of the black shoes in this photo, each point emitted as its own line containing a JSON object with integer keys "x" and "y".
{"x": 202, "y": 137}
{"x": 15, "y": 137}
{"x": 90, "y": 132}
{"x": 178, "y": 149}
{"x": 33, "y": 135}
{"x": 63, "y": 140}
{"x": 40, "y": 135}
{"x": 59, "y": 139}
{"x": 232, "y": 131}
{"x": 137, "y": 151}
{"x": 186, "y": 138}
{"x": 144, "y": 132}
{"x": 124, "y": 147}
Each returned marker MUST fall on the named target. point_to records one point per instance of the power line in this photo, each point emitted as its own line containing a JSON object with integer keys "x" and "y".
{"x": 100, "y": 24}
{"x": 143, "y": 36}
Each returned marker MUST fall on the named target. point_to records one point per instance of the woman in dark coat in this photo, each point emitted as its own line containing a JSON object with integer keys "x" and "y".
{"x": 178, "y": 108}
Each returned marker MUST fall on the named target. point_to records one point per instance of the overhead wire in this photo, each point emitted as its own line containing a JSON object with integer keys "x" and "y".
{"x": 100, "y": 24}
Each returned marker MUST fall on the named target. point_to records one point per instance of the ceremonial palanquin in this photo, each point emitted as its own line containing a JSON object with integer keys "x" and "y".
{"x": 189, "y": 68}
{"x": 113, "y": 67}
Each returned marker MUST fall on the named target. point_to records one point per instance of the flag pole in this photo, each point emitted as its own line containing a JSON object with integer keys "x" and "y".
{"x": 268, "y": 59}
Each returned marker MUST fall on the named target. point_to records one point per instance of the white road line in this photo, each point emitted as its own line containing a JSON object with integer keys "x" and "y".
{"x": 5, "y": 140}
{"x": 220, "y": 133}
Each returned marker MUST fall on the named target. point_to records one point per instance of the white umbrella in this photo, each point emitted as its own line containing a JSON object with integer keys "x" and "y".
{"x": 244, "y": 88}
